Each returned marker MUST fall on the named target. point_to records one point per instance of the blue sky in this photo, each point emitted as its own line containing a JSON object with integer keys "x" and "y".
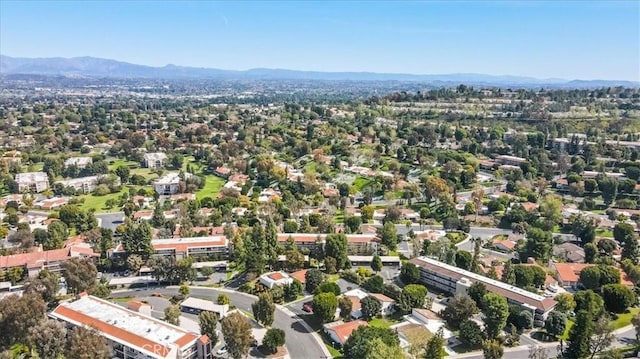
{"x": 575, "y": 39}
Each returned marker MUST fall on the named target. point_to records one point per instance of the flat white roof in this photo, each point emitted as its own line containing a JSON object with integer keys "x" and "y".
{"x": 481, "y": 278}
{"x": 78, "y": 161}
{"x": 207, "y": 305}
{"x": 124, "y": 326}
{"x": 31, "y": 177}
{"x": 155, "y": 156}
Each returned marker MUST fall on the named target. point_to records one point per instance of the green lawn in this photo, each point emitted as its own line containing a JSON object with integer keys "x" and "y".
{"x": 624, "y": 319}
{"x": 211, "y": 187}
{"x": 333, "y": 277}
{"x": 98, "y": 202}
{"x": 360, "y": 182}
{"x": 334, "y": 352}
{"x": 382, "y": 322}
{"x": 600, "y": 232}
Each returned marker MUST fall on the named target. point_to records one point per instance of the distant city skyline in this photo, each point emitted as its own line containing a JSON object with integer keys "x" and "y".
{"x": 569, "y": 40}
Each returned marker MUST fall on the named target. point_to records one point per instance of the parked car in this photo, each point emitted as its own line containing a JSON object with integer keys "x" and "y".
{"x": 307, "y": 307}
{"x": 159, "y": 295}
{"x": 222, "y": 350}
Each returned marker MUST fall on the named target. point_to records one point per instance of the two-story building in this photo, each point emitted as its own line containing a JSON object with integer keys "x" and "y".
{"x": 155, "y": 159}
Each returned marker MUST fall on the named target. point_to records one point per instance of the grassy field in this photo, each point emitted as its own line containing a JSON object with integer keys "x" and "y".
{"x": 604, "y": 233}
{"x": 99, "y": 202}
{"x": 382, "y": 322}
{"x": 360, "y": 182}
{"x": 624, "y": 319}
{"x": 211, "y": 187}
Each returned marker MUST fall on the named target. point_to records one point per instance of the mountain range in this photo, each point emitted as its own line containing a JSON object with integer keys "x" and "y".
{"x": 92, "y": 67}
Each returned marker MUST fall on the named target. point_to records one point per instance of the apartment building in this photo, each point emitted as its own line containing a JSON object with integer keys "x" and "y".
{"x": 213, "y": 246}
{"x": 155, "y": 159}
{"x": 357, "y": 244}
{"x": 454, "y": 280}
{"x": 82, "y": 184}
{"x": 52, "y": 260}
{"x": 510, "y": 160}
{"x": 130, "y": 334}
{"x": 80, "y": 162}
{"x": 169, "y": 184}
{"x": 32, "y": 182}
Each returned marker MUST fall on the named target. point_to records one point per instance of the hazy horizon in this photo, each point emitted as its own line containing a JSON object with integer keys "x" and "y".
{"x": 542, "y": 40}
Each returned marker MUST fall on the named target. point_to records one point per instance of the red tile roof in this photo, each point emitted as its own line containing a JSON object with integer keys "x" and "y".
{"x": 383, "y": 298}
{"x": 39, "y": 259}
{"x": 299, "y": 275}
{"x": 343, "y": 331}
{"x": 276, "y": 276}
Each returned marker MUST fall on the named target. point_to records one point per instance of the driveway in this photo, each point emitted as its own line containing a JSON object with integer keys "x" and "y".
{"x": 300, "y": 342}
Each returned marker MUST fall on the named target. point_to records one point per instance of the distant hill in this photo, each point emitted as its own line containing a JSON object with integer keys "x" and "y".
{"x": 100, "y": 68}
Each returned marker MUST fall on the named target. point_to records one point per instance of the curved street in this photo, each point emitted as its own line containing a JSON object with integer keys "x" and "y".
{"x": 301, "y": 343}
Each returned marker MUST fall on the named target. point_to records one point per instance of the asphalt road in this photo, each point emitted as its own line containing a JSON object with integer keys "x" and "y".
{"x": 300, "y": 342}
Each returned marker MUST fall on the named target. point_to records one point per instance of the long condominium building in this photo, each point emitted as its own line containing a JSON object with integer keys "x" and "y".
{"x": 454, "y": 280}
{"x": 132, "y": 335}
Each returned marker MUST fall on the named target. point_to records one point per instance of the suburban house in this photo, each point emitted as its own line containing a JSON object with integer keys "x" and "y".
{"x": 155, "y": 159}
{"x": 388, "y": 304}
{"x": 454, "y": 280}
{"x": 80, "y": 162}
{"x": 340, "y": 331}
{"x": 569, "y": 274}
{"x": 32, "y": 182}
{"x": 273, "y": 279}
{"x": 356, "y": 295}
{"x": 569, "y": 251}
{"x": 223, "y": 172}
{"x": 132, "y": 334}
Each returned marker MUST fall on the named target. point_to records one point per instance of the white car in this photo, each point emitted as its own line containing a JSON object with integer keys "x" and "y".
{"x": 222, "y": 350}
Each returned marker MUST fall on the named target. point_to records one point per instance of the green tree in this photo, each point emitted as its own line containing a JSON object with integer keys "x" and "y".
{"x": 380, "y": 350}
{"x": 57, "y": 233}
{"x": 412, "y": 296}
{"x": 359, "y": 343}
{"x": 79, "y": 274}
{"x": 491, "y": 349}
{"x": 555, "y": 324}
{"x": 172, "y": 314}
{"x": 336, "y": 247}
{"x": 376, "y": 263}
{"x": 136, "y": 239}
{"x": 223, "y": 299}
{"x": 236, "y": 331}
{"x": 590, "y": 252}
{"x": 370, "y": 307}
{"x": 471, "y": 333}
{"x": 435, "y": 347}
{"x": 602, "y": 336}
{"x": 539, "y": 245}
{"x": 346, "y": 306}
{"x": 374, "y": 284}
{"x": 609, "y": 189}
{"x": 293, "y": 290}
{"x": 389, "y": 235}
{"x": 617, "y": 298}
{"x": 313, "y": 278}
{"x": 135, "y": 262}
{"x": 48, "y": 338}
{"x": 208, "y": 323}
{"x": 328, "y": 287}
{"x": 459, "y": 309}
{"x": 579, "y": 336}
{"x": 477, "y": 291}
{"x": 273, "y": 339}
{"x": 496, "y": 312}
{"x": 566, "y": 303}
{"x": 589, "y": 301}
{"x": 409, "y": 273}
{"x": 17, "y": 316}
{"x": 324, "y": 306}
{"x": 264, "y": 309}
{"x": 87, "y": 344}
{"x": 124, "y": 173}
{"x": 463, "y": 259}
